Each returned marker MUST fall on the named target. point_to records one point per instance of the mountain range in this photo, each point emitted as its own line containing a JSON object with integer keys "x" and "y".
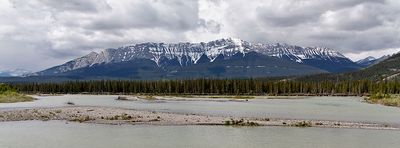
{"x": 223, "y": 58}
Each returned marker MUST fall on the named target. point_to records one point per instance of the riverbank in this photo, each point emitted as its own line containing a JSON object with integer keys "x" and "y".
{"x": 10, "y": 95}
{"x": 384, "y": 99}
{"x": 13, "y": 97}
{"x": 117, "y": 116}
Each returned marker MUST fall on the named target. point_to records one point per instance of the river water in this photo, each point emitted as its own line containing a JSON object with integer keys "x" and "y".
{"x": 58, "y": 134}
{"x": 319, "y": 108}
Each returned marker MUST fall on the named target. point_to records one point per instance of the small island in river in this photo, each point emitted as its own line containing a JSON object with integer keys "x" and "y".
{"x": 117, "y": 116}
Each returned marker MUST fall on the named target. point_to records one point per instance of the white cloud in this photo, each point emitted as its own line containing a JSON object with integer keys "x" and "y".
{"x": 374, "y": 53}
{"x": 47, "y": 32}
{"x": 360, "y": 17}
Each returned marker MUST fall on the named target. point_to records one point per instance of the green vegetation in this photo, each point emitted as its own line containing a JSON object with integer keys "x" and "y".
{"x": 10, "y": 95}
{"x": 240, "y": 122}
{"x": 385, "y": 70}
{"x": 384, "y": 99}
{"x": 81, "y": 119}
{"x": 5, "y": 88}
{"x": 212, "y": 88}
{"x": 120, "y": 117}
{"x": 302, "y": 124}
{"x": 215, "y": 87}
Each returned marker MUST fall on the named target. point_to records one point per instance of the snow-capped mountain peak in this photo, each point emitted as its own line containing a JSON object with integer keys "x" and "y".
{"x": 367, "y": 59}
{"x": 191, "y": 53}
{"x": 299, "y": 54}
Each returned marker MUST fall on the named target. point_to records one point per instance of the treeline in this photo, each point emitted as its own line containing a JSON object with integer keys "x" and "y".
{"x": 211, "y": 86}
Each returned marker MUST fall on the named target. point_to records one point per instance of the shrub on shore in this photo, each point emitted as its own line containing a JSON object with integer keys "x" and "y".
{"x": 302, "y": 124}
{"x": 10, "y": 95}
{"x": 384, "y": 99}
{"x": 240, "y": 122}
{"x": 81, "y": 119}
{"x": 5, "y": 88}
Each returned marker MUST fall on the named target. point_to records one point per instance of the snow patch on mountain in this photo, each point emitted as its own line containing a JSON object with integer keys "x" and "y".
{"x": 190, "y": 53}
{"x": 365, "y": 60}
{"x": 369, "y": 61}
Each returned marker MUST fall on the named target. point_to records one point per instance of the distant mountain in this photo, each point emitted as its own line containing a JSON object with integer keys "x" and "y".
{"x": 13, "y": 72}
{"x": 388, "y": 69}
{"x": 368, "y": 61}
{"x": 220, "y": 58}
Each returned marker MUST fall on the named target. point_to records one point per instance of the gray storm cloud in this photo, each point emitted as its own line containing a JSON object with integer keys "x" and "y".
{"x": 45, "y": 33}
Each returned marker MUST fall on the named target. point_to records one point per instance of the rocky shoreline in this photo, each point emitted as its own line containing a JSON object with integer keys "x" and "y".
{"x": 117, "y": 116}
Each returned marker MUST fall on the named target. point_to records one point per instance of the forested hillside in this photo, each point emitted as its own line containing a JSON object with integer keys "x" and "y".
{"x": 388, "y": 69}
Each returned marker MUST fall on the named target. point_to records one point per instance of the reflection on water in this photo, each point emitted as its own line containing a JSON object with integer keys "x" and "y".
{"x": 323, "y": 108}
{"x": 37, "y": 134}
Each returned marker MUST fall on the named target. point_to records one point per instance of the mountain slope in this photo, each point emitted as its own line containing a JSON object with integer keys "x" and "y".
{"x": 323, "y": 58}
{"x": 388, "y": 69}
{"x": 134, "y": 69}
{"x": 176, "y": 60}
{"x": 369, "y": 61}
{"x": 238, "y": 66}
{"x": 366, "y": 61}
{"x": 252, "y": 64}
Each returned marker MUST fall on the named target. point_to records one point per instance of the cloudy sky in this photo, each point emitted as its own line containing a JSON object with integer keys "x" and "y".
{"x": 37, "y": 34}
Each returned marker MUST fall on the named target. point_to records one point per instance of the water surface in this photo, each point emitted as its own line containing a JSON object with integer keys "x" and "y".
{"x": 57, "y": 134}
{"x": 322, "y": 108}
